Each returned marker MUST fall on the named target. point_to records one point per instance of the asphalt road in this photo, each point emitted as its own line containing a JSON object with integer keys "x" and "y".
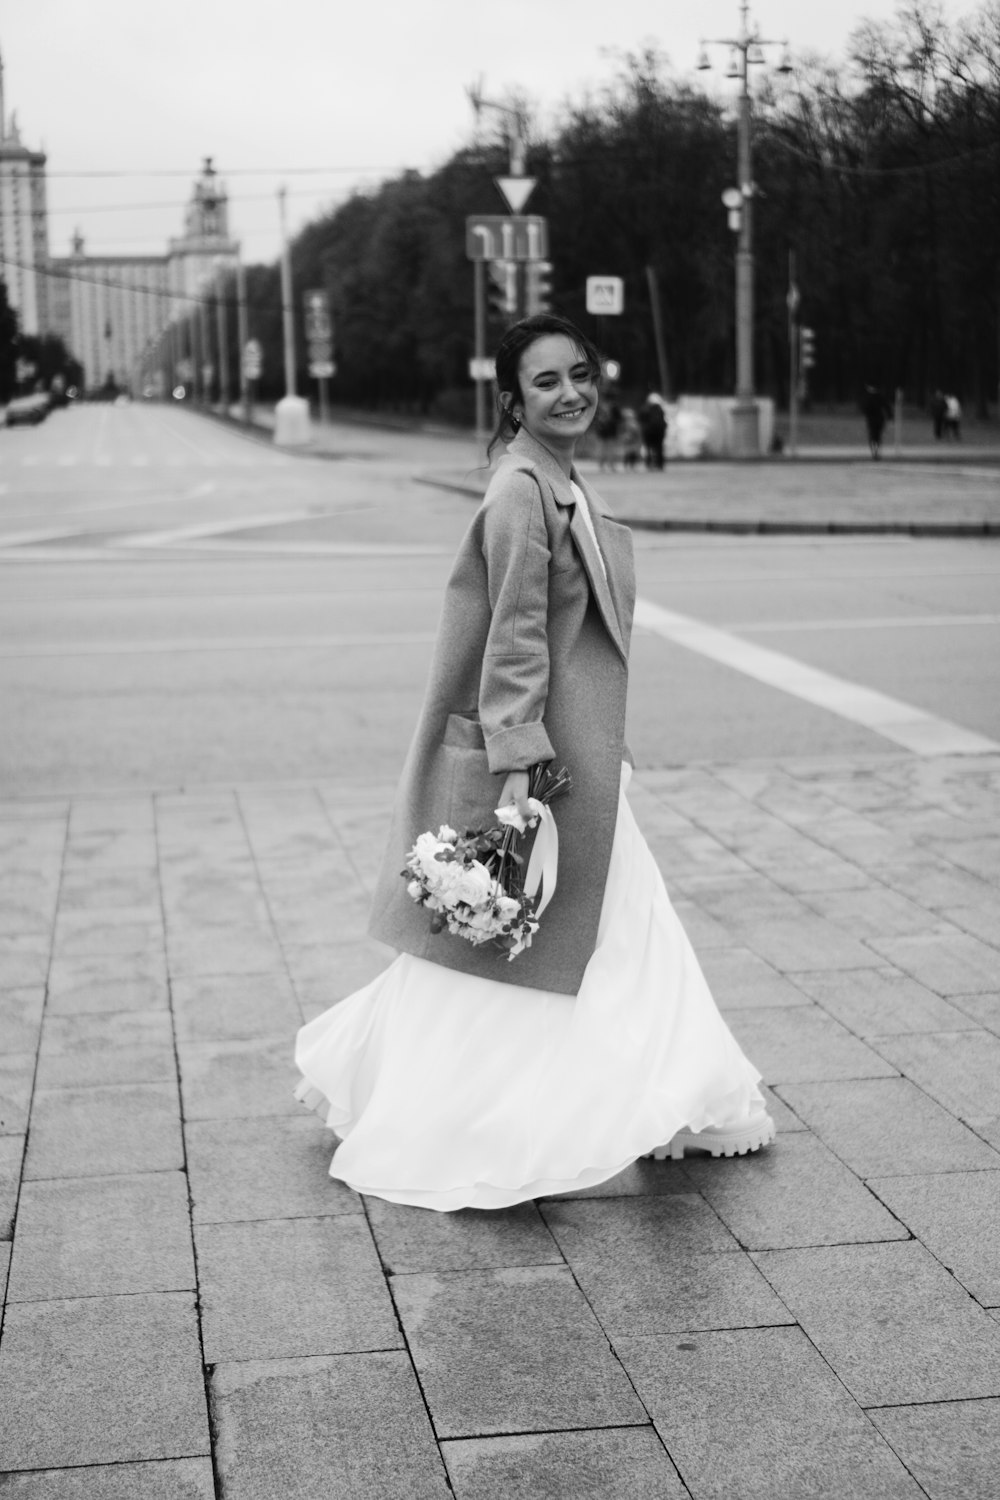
{"x": 181, "y": 605}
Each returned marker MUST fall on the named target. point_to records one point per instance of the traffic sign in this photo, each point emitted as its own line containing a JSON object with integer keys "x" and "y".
{"x": 322, "y": 369}
{"x": 317, "y": 305}
{"x": 253, "y": 358}
{"x": 605, "y": 294}
{"x": 516, "y": 190}
{"x": 506, "y": 237}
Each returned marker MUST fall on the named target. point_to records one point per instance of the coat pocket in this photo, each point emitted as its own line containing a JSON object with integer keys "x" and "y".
{"x": 472, "y": 786}
{"x": 464, "y": 732}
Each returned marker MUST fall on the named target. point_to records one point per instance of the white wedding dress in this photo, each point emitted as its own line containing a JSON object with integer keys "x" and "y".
{"x": 450, "y": 1091}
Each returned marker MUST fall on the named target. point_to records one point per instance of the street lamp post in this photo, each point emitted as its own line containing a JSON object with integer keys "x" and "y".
{"x": 746, "y": 49}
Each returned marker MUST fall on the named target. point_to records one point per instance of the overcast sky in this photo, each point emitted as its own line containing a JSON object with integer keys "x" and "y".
{"x": 359, "y": 90}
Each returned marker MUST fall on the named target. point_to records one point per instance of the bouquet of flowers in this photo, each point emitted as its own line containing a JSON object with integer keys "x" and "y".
{"x": 474, "y": 884}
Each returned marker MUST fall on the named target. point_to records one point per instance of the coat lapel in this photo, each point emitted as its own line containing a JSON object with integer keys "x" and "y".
{"x": 525, "y": 446}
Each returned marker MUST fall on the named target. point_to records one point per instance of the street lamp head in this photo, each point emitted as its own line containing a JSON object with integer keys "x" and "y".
{"x": 785, "y": 64}
{"x": 704, "y": 62}
{"x": 733, "y": 71}
{"x": 755, "y": 53}
{"x": 475, "y": 93}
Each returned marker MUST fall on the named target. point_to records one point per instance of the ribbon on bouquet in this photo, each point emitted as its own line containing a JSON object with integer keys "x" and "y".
{"x": 543, "y": 863}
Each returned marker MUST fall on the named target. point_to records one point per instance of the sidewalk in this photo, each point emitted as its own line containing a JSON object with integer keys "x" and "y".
{"x": 195, "y": 1309}
{"x": 928, "y": 490}
{"x": 823, "y": 492}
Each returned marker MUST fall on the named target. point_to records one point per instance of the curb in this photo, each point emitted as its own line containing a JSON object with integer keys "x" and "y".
{"x": 761, "y": 526}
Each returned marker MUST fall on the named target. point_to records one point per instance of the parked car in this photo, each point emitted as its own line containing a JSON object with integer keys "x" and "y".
{"x": 31, "y": 409}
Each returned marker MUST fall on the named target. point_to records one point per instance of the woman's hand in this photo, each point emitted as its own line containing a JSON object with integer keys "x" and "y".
{"x": 515, "y": 789}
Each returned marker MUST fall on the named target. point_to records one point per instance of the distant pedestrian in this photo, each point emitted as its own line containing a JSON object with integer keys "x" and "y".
{"x": 607, "y": 425}
{"x": 877, "y": 411}
{"x": 455, "y": 1078}
{"x": 938, "y": 408}
{"x": 631, "y": 439}
{"x": 653, "y": 425}
{"x": 952, "y": 417}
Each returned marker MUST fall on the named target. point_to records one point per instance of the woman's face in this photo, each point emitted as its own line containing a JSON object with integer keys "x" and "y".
{"x": 558, "y": 393}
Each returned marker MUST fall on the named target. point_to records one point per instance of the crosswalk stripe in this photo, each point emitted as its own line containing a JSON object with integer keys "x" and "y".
{"x": 915, "y": 730}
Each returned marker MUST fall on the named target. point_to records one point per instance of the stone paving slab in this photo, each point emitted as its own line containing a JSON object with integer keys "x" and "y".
{"x": 950, "y": 964}
{"x": 417, "y": 1239}
{"x": 106, "y": 1048}
{"x": 877, "y": 1002}
{"x": 960, "y": 1069}
{"x": 102, "y": 1236}
{"x": 17, "y": 1072}
{"x": 655, "y": 1265}
{"x": 614, "y": 1464}
{"x": 282, "y": 1289}
{"x": 171, "y": 1479}
{"x": 21, "y": 1018}
{"x": 108, "y": 983}
{"x": 11, "y": 1158}
{"x": 757, "y": 1413}
{"x": 802, "y": 1044}
{"x": 238, "y": 1080}
{"x": 983, "y": 1009}
{"x": 740, "y": 980}
{"x": 266, "y": 1168}
{"x": 97, "y": 1131}
{"x": 350, "y": 1428}
{"x": 511, "y": 1351}
{"x": 797, "y": 1194}
{"x": 891, "y": 1322}
{"x": 952, "y": 1449}
{"x": 101, "y": 1380}
{"x": 957, "y": 1216}
{"x": 888, "y": 1126}
{"x": 234, "y": 1007}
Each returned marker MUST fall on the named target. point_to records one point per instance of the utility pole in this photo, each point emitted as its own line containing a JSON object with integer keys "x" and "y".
{"x": 242, "y": 335}
{"x": 223, "y": 340}
{"x": 291, "y": 415}
{"x": 746, "y": 50}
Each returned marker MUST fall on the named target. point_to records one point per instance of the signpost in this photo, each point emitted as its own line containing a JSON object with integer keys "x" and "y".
{"x": 253, "y": 358}
{"x": 506, "y": 237}
{"x": 605, "y": 295}
{"x": 319, "y": 339}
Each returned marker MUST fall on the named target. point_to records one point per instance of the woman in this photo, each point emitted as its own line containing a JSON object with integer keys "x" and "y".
{"x": 457, "y": 1078}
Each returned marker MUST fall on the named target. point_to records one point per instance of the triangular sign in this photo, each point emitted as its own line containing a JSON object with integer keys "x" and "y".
{"x": 517, "y": 191}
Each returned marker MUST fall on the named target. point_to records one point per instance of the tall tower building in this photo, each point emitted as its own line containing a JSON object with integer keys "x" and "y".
{"x": 205, "y": 247}
{"x": 24, "y": 236}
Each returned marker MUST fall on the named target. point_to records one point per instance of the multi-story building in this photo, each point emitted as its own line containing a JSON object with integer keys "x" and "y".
{"x": 23, "y": 224}
{"x": 110, "y": 309}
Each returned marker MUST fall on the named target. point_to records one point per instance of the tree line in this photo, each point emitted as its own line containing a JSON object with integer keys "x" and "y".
{"x": 880, "y": 175}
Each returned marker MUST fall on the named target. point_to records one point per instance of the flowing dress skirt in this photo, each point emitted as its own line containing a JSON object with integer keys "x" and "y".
{"x": 450, "y": 1091}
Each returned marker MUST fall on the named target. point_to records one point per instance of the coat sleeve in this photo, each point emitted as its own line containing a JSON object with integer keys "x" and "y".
{"x": 515, "y": 676}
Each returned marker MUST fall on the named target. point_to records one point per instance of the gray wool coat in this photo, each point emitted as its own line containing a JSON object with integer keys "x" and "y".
{"x": 531, "y": 664}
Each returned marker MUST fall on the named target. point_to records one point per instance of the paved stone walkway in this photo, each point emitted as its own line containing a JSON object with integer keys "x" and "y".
{"x": 195, "y": 1309}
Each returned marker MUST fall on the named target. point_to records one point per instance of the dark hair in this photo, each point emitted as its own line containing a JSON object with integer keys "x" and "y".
{"x": 508, "y": 358}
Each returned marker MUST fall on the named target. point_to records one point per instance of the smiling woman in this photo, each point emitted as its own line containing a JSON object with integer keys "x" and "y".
{"x": 459, "y": 1078}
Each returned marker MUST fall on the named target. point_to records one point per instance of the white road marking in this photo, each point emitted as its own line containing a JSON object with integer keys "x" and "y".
{"x": 915, "y": 730}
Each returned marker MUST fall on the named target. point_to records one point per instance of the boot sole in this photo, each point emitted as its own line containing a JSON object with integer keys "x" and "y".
{"x": 720, "y": 1143}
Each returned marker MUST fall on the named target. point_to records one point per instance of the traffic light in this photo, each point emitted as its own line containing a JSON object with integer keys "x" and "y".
{"x": 501, "y": 289}
{"x": 538, "y": 286}
{"x": 807, "y": 348}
